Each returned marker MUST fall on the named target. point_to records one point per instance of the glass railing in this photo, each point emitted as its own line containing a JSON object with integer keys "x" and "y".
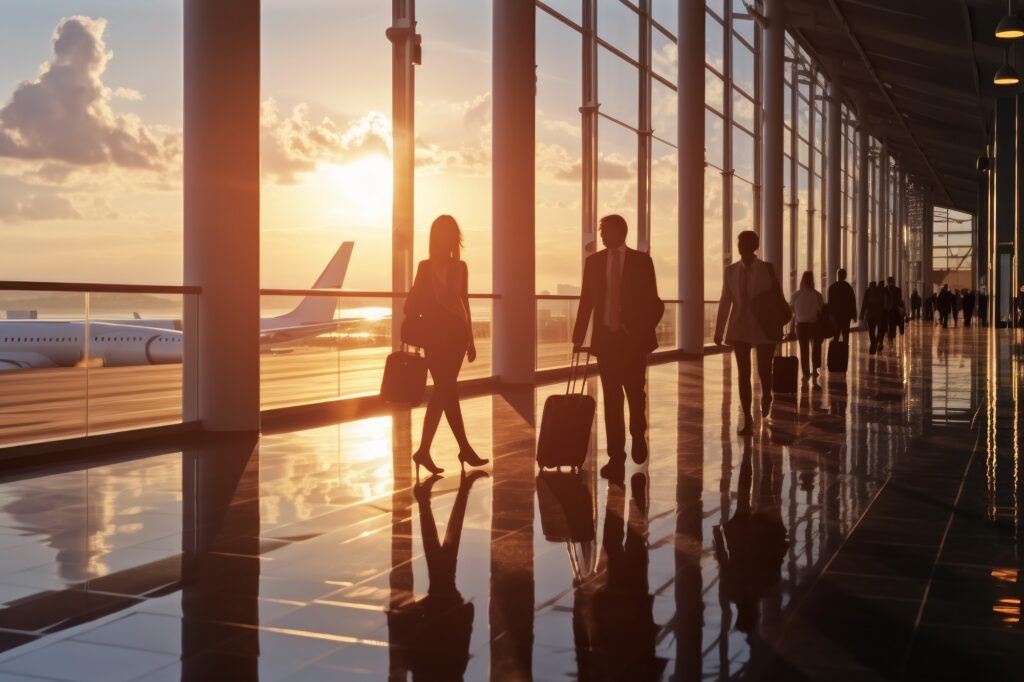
{"x": 85, "y": 359}
{"x": 318, "y": 345}
{"x": 710, "y": 317}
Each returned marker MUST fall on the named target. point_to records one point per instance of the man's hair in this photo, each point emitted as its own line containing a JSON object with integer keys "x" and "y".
{"x": 749, "y": 237}
{"x": 613, "y": 222}
{"x": 841, "y": 274}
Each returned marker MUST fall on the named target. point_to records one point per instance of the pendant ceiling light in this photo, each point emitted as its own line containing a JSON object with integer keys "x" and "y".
{"x": 1006, "y": 75}
{"x": 1010, "y": 27}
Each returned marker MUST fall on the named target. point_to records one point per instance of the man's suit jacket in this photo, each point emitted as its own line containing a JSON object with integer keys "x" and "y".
{"x": 736, "y": 305}
{"x": 842, "y": 302}
{"x": 641, "y": 309}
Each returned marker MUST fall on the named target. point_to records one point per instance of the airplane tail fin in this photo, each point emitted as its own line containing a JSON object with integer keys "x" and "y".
{"x": 322, "y": 308}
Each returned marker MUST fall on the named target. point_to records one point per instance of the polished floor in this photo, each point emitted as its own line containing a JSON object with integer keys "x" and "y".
{"x": 870, "y": 529}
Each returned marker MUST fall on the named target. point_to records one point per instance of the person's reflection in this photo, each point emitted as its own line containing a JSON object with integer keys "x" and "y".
{"x": 614, "y": 620}
{"x": 751, "y": 545}
{"x": 434, "y": 632}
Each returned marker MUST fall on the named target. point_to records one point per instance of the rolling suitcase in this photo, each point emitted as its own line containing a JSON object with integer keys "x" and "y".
{"x": 785, "y": 374}
{"x": 405, "y": 378}
{"x": 566, "y": 424}
{"x": 838, "y": 356}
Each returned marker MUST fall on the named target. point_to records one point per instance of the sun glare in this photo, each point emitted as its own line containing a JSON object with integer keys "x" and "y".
{"x": 363, "y": 188}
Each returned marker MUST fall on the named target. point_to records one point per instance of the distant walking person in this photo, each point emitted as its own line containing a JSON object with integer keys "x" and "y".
{"x": 895, "y": 310}
{"x": 808, "y": 305}
{"x": 440, "y": 297}
{"x": 842, "y": 305}
{"x": 621, "y": 293}
{"x": 746, "y": 285}
{"x": 872, "y": 311}
{"x": 969, "y": 298}
{"x": 915, "y": 305}
{"x": 982, "y": 308}
{"x": 955, "y": 307}
{"x": 944, "y": 302}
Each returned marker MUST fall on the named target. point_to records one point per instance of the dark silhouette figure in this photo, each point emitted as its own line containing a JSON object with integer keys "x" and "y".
{"x": 983, "y": 308}
{"x": 620, "y": 292}
{"x": 842, "y": 306}
{"x": 751, "y": 545}
{"x": 434, "y": 632}
{"x": 895, "y": 310}
{"x": 440, "y": 294}
{"x": 872, "y": 311}
{"x": 742, "y": 283}
{"x": 808, "y": 306}
{"x": 957, "y": 303}
{"x": 968, "y": 304}
{"x": 944, "y": 303}
{"x": 930, "y": 308}
{"x": 613, "y": 617}
{"x": 915, "y": 305}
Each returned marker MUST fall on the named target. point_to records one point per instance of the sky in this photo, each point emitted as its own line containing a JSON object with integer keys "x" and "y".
{"x": 91, "y": 140}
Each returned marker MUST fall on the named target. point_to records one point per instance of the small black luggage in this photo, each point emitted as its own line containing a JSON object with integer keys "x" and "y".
{"x": 405, "y": 378}
{"x": 785, "y": 374}
{"x": 838, "y": 356}
{"x": 566, "y": 424}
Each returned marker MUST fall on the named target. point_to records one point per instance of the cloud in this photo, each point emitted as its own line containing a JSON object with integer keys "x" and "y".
{"x": 130, "y": 94}
{"x": 20, "y": 201}
{"x": 65, "y": 115}
{"x": 294, "y": 145}
{"x": 611, "y": 167}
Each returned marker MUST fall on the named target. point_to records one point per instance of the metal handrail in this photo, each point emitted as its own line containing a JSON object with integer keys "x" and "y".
{"x": 353, "y": 294}
{"x": 566, "y": 297}
{"x": 93, "y": 288}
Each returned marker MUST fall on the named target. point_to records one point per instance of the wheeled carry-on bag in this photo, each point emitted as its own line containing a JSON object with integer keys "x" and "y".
{"x": 785, "y": 374}
{"x": 566, "y": 423}
{"x": 838, "y": 356}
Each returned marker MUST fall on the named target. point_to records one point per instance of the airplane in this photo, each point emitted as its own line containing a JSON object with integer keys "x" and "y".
{"x": 36, "y": 344}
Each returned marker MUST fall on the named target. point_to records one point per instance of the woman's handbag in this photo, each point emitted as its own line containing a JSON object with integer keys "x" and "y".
{"x": 770, "y": 308}
{"x": 825, "y": 325}
{"x": 415, "y": 330}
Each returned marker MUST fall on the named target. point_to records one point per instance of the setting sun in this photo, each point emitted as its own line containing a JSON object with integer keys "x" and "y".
{"x": 362, "y": 187}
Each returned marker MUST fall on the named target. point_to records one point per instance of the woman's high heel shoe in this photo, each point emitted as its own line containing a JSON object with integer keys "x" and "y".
{"x": 422, "y": 459}
{"x": 469, "y": 456}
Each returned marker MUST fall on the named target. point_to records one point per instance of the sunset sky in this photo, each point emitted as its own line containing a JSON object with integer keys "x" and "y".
{"x": 94, "y": 194}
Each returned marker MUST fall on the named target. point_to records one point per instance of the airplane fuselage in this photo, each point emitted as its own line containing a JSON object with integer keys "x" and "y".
{"x": 34, "y": 343}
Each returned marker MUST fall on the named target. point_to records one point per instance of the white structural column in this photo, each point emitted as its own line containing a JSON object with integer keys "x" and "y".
{"x": 774, "y": 92}
{"x": 222, "y": 212}
{"x": 691, "y": 176}
{"x": 833, "y": 180}
{"x": 514, "y": 229}
{"x": 863, "y": 174}
{"x": 882, "y": 242}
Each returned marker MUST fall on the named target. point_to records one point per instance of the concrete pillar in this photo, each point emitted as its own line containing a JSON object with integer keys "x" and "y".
{"x": 861, "y": 276}
{"x": 773, "y": 87}
{"x": 882, "y": 259}
{"x": 514, "y": 240}
{"x": 222, "y": 212}
{"x": 691, "y": 176}
{"x": 833, "y": 182}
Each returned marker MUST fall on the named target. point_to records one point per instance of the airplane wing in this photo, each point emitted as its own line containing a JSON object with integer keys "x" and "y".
{"x": 24, "y": 360}
{"x": 304, "y": 331}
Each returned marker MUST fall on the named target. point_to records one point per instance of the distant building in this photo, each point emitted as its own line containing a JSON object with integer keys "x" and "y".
{"x": 22, "y": 314}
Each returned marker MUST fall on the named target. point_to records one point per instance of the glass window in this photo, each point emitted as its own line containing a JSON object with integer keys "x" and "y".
{"x": 714, "y": 142}
{"x": 742, "y": 206}
{"x": 558, "y": 156}
{"x": 570, "y": 9}
{"x": 666, "y": 13}
{"x": 714, "y": 35}
{"x": 714, "y": 91}
{"x": 743, "y": 66}
{"x": 619, "y": 26}
{"x": 743, "y": 154}
{"x": 743, "y": 27}
{"x": 616, "y": 173}
{"x": 664, "y": 112}
{"x": 618, "y": 87}
{"x": 714, "y": 255}
{"x": 665, "y": 218}
{"x": 742, "y": 109}
{"x": 664, "y": 56}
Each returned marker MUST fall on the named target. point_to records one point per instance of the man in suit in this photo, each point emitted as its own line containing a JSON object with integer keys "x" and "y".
{"x": 842, "y": 306}
{"x": 621, "y": 293}
{"x": 743, "y": 282}
{"x": 895, "y": 310}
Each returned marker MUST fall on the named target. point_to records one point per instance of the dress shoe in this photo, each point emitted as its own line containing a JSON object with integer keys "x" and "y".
{"x": 615, "y": 472}
{"x": 423, "y": 459}
{"x": 469, "y": 456}
{"x": 639, "y": 450}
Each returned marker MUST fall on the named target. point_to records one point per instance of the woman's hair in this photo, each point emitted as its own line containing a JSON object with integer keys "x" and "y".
{"x": 445, "y": 238}
{"x": 807, "y": 281}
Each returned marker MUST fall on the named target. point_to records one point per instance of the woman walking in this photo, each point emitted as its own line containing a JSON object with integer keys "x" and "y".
{"x": 808, "y": 305}
{"x": 440, "y": 299}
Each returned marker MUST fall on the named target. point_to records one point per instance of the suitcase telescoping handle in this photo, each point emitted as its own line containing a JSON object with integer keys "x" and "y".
{"x": 570, "y": 386}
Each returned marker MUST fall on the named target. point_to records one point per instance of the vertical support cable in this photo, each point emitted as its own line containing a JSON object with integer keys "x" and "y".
{"x": 643, "y": 212}
{"x": 588, "y": 122}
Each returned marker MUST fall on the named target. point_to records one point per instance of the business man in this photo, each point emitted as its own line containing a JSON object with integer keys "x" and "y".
{"x": 842, "y": 306}
{"x": 621, "y": 293}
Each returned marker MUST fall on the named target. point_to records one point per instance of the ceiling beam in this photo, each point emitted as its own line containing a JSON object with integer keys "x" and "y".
{"x": 966, "y": 13}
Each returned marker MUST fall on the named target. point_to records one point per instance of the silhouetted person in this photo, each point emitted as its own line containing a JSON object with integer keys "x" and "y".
{"x": 983, "y": 308}
{"x": 440, "y": 294}
{"x": 808, "y": 306}
{"x": 616, "y": 636}
{"x": 944, "y": 303}
{"x": 954, "y": 310}
{"x": 621, "y": 293}
{"x": 895, "y": 310}
{"x": 434, "y": 632}
{"x": 872, "y": 311}
{"x": 742, "y": 283}
{"x": 751, "y": 545}
{"x": 968, "y": 304}
{"x": 915, "y": 305}
{"x": 929, "y": 308}
{"x": 842, "y": 306}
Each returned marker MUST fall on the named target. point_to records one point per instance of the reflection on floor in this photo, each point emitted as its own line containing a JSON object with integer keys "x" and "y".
{"x": 868, "y": 530}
